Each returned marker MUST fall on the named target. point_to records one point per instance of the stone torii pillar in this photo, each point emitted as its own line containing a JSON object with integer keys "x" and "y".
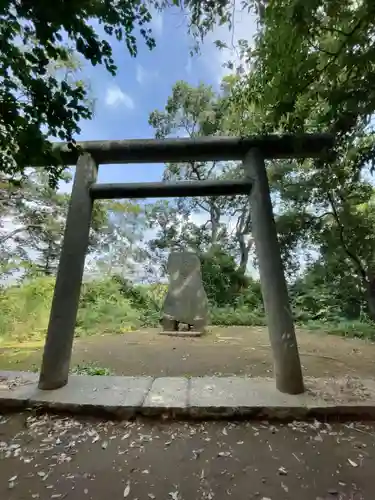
{"x": 287, "y": 365}
{"x": 60, "y": 333}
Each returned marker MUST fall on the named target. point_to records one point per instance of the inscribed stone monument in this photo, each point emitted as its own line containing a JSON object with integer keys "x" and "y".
{"x": 186, "y": 300}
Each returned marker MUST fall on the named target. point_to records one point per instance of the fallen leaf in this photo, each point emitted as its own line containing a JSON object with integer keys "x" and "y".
{"x": 295, "y": 456}
{"x": 224, "y": 454}
{"x": 150, "y": 495}
{"x": 85, "y": 491}
{"x": 282, "y": 471}
{"x": 12, "y": 478}
{"x": 174, "y": 495}
{"x": 333, "y": 492}
{"x": 104, "y": 444}
{"x": 127, "y": 489}
{"x": 196, "y": 453}
{"x": 352, "y": 463}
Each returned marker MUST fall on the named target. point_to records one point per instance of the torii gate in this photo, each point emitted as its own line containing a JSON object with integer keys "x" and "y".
{"x": 252, "y": 151}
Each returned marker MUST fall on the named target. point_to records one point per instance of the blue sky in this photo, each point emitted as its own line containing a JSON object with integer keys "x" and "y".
{"x": 142, "y": 84}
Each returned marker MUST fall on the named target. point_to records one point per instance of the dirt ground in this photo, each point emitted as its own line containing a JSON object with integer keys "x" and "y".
{"x": 65, "y": 459}
{"x": 224, "y": 351}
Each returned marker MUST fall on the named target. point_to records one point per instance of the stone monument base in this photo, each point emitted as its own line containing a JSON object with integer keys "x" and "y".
{"x": 171, "y": 327}
{"x": 181, "y": 334}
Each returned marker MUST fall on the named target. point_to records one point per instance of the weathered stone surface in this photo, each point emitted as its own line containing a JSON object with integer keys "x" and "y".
{"x": 186, "y": 300}
{"x": 118, "y": 395}
{"x": 196, "y": 397}
{"x": 16, "y": 388}
{"x": 167, "y": 393}
{"x": 58, "y": 347}
{"x": 242, "y": 396}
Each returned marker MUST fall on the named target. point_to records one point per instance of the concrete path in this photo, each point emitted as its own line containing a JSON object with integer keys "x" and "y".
{"x": 196, "y": 397}
{"x": 44, "y": 458}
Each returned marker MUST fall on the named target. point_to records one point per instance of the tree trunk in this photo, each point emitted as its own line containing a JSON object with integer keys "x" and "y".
{"x": 244, "y": 252}
{"x": 243, "y": 228}
{"x": 215, "y": 221}
{"x": 370, "y": 285}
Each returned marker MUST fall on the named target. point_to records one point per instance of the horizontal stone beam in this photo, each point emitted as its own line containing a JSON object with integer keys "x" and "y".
{"x": 170, "y": 190}
{"x": 199, "y": 149}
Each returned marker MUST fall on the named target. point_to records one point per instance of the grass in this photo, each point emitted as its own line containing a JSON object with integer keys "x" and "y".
{"x": 115, "y": 306}
{"x": 25, "y": 310}
{"x": 103, "y": 309}
{"x": 350, "y": 329}
{"x": 89, "y": 369}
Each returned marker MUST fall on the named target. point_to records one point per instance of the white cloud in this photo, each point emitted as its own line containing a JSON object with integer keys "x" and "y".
{"x": 115, "y": 97}
{"x": 140, "y": 74}
{"x": 244, "y": 28}
{"x": 189, "y": 66}
{"x": 157, "y": 23}
{"x": 143, "y": 76}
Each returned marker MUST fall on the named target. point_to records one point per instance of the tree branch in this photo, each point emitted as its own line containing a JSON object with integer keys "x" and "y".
{"x": 316, "y": 77}
{"x": 348, "y": 252}
{"x": 19, "y": 230}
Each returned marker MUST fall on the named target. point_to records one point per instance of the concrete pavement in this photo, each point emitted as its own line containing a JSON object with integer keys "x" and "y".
{"x": 195, "y": 397}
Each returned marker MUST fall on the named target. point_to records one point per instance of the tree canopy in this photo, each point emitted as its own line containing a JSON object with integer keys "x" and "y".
{"x": 37, "y": 104}
{"x": 310, "y": 68}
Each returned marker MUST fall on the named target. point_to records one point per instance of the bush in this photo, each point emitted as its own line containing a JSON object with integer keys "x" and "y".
{"x": 115, "y": 305}
{"x": 242, "y": 316}
{"x": 25, "y": 309}
{"x": 350, "y": 329}
{"x": 104, "y": 309}
{"x": 146, "y": 299}
{"x": 223, "y": 280}
{"x": 251, "y": 296}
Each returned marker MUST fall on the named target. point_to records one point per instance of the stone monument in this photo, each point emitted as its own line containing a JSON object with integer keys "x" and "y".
{"x": 186, "y": 300}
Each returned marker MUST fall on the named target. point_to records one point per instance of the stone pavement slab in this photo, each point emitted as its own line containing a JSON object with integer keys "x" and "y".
{"x": 16, "y": 387}
{"x": 121, "y": 396}
{"x": 240, "y": 396}
{"x": 169, "y": 393}
{"x": 196, "y": 397}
